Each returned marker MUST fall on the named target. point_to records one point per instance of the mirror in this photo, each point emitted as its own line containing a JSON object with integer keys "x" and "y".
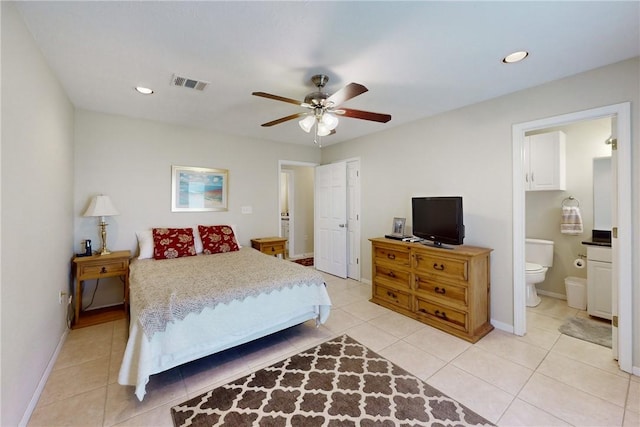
{"x": 602, "y": 188}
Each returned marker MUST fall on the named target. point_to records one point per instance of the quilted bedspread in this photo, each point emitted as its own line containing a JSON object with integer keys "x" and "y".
{"x": 168, "y": 290}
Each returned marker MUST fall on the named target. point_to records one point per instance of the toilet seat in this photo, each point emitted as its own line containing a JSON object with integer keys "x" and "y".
{"x": 533, "y": 268}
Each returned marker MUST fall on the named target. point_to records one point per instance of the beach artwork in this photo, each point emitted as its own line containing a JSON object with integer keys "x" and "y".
{"x": 197, "y": 189}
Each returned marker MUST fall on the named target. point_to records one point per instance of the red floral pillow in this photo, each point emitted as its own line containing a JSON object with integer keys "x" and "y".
{"x": 217, "y": 239}
{"x": 173, "y": 243}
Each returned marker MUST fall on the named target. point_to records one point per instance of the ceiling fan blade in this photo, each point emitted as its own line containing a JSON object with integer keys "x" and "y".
{"x": 284, "y": 119}
{"x": 364, "y": 115}
{"x": 279, "y": 98}
{"x": 346, "y": 93}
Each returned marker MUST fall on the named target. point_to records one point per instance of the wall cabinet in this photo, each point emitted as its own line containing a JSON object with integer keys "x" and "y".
{"x": 545, "y": 161}
{"x": 599, "y": 281}
{"x": 446, "y": 288}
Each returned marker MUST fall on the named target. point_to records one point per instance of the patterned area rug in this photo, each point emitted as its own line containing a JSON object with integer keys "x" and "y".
{"x": 595, "y": 331}
{"x": 304, "y": 261}
{"x": 337, "y": 383}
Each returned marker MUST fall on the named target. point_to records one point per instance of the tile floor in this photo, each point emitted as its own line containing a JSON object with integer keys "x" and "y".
{"x": 542, "y": 379}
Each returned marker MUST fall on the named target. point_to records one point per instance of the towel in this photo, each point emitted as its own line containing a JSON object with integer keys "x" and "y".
{"x": 571, "y": 220}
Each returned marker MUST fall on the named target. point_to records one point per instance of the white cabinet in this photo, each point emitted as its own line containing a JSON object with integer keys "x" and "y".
{"x": 284, "y": 225}
{"x": 545, "y": 161}
{"x": 599, "y": 281}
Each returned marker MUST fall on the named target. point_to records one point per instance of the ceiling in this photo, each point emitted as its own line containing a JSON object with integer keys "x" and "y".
{"x": 417, "y": 59}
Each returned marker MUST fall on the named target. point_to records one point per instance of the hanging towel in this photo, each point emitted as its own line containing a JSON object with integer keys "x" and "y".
{"x": 571, "y": 220}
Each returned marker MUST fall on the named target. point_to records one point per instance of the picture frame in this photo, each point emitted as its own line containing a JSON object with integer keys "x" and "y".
{"x": 196, "y": 189}
{"x": 398, "y": 226}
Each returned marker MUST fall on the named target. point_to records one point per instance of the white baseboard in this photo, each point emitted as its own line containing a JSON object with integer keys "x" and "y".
{"x": 502, "y": 326}
{"x": 43, "y": 381}
{"x": 552, "y": 294}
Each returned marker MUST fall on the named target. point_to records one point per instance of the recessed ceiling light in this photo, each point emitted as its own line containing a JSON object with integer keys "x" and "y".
{"x": 515, "y": 57}
{"x": 144, "y": 90}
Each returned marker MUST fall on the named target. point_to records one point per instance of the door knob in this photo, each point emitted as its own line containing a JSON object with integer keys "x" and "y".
{"x": 342, "y": 225}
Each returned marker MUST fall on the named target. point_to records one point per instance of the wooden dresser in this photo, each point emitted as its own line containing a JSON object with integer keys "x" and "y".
{"x": 448, "y": 289}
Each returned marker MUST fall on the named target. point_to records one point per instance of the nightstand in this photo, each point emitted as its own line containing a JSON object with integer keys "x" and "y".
{"x": 270, "y": 245}
{"x": 115, "y": 264}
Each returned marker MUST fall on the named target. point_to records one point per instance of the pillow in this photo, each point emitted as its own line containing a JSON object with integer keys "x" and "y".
{"x": 217, "y": 239}
{"x": 197, "y": 240}
{"x": 145, "y": 244}
{"x": 171, "y": 243}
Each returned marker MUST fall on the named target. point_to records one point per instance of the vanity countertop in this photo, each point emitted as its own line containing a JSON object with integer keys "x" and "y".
{"x": 597, "y": 242}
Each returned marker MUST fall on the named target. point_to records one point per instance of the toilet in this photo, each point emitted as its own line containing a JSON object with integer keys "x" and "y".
{"x": 539, "y": 257}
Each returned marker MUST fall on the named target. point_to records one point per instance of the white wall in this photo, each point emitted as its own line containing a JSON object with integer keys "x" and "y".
{"x": 37, "y": 202}
{"x": 130, "y": 160}
{"x": 468, "y": 152}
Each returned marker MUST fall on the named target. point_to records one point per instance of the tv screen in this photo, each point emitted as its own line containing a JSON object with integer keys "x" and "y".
{"x": 438, "y": 219}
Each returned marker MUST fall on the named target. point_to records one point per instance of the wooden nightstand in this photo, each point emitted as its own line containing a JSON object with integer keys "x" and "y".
{"x": 115, "y": 264}
{"x": 270, "y": 245}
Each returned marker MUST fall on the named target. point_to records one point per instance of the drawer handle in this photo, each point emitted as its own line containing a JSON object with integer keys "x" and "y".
{"x": 391, "y": 294}
{"x": 391, "y": 256}
{"x": 440, "y": 291}
{"x": 441, "y": 314}
{"x": 391, "y": 274}
{"x": 422, "y": 310}
{"x": 438, "y": 267}
{"x": 103, "y": 270}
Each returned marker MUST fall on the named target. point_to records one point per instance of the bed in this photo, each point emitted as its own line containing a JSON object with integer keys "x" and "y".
{"x": 186, "y": 308}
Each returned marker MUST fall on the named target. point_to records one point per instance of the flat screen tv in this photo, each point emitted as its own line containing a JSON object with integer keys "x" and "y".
{"x": 438, "y": 219}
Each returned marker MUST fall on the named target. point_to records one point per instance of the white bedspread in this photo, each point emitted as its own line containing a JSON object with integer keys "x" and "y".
{"x": 213, "y": 327}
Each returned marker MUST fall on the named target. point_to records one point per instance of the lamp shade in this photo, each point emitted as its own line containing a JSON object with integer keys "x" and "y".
{"x": 307, "y": 123}
{"x": 101, "y": 206}
{"x": 329, "y": 120}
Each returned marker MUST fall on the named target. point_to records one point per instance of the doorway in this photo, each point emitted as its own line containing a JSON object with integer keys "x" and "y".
{"x": 296, "y": 207}
{"x": 621, "y": 246}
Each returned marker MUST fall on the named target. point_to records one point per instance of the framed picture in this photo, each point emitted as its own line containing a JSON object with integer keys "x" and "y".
{"x": 198, "y": 189}
{"x": 398, "y": 226}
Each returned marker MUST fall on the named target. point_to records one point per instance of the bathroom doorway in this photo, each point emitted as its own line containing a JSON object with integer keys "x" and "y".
{"x": 296, "y": 207}
{"x": 621, "y": 219}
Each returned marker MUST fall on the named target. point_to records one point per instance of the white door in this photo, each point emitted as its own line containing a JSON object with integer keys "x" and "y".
{"x": 330, "y": 240}
{"x": 353, "y": 219}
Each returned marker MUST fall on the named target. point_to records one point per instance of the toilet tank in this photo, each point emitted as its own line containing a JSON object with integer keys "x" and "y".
{"x": 539, "y": 251}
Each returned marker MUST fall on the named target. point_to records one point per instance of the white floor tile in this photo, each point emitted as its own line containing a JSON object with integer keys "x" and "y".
{"x": 570, "y": 404}
{"x": 512, "y": 348}
{"x": 504, "y": 374}
{"x": 418, "y": 362}
{"x": 522, "y": 414}
{"x": 479, "y": 396}
{"x": 438, "y": 343}
{"x": 605, "y": 385}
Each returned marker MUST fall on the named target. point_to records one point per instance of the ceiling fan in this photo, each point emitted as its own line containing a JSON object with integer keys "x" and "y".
{"x": 324, "y": 107}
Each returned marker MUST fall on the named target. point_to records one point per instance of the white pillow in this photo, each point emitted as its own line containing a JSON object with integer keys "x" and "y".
{"x": 197, "y": 241}
{"x": 145, "y": 244}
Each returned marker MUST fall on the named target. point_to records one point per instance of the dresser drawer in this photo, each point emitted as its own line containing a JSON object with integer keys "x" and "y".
{"x": 394, "y": 276}
{"x": 391, "y": 295}
{"x": 399, "y": 257}
{"x": 440, "y": 266}
{"x": 445, "y": 315}
{"x": 106, "y": 269}
{"x": 433, "y": 288}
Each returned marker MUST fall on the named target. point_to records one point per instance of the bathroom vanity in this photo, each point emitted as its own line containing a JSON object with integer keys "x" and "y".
{"x": 599, "y": 274}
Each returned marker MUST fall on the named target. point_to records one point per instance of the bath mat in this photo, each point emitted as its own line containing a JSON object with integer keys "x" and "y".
{"x": 595, "y": 331}
{"x": 308, "y": 262}
{"x": 337, "y": 383}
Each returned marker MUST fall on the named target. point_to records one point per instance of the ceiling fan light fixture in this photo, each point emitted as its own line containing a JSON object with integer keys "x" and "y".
{"x": 323, "y": 130}
{"x": 515, "y": 57}
{"x": 329, "y": 120}
{"x": 307, "y": 123}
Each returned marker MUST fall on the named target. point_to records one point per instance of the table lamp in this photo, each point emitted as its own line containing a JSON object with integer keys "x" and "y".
{"x": 101, "y": 206}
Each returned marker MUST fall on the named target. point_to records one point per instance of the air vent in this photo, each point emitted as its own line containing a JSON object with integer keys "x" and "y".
{"x": 188, "y": 83}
